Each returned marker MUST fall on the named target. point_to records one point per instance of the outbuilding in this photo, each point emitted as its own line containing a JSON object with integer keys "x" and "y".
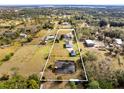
{"x": 50, "y": 37}
{"x": 22, "y": 35}
{"x": 89, "y": 43}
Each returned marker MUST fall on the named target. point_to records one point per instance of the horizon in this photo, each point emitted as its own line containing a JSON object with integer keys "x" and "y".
{"x": 63, "y": 5}
{"x": 61, "y": 2}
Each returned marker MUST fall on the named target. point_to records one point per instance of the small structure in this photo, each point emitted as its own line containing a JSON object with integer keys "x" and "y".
{"x": 68, "y": 45}
{"x": 22, "y": 35}
{"x": 118, "y": 41}
{"x": 50, "y": 37}
{"x": 72, "y": 53}
{"x": 89, "y": 43}
{"x": 65, "y": 23}
{"x": 65, "y": 67}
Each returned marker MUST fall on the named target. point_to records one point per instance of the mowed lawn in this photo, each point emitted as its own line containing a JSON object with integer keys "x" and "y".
{"x": 27, "y": 60}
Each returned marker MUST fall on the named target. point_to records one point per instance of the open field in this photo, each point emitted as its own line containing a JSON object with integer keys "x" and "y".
{"x": 28, "y": 59}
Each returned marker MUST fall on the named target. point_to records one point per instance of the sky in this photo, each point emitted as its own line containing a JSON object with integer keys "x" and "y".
{"x": 34, "y": 2}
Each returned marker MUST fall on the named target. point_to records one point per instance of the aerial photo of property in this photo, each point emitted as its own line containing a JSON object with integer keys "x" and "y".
{"x": 62, "y": 47}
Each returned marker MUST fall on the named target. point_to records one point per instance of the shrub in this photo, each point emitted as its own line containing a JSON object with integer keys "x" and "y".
{"x": 93, "y": 85}
{"x": 59, "y": 78}
{"x": 29, "y": 39}
{"x": 34, "y": 77}
{"x": 32, "y": 84}
{"x": 120, "y": 78}
{"x": 105, "y": 84}
{"x": 7, "y": 57}
{"x": 4, "y": 77}
{"x": 73, "y": 85}
{"x": 19, "y": 82}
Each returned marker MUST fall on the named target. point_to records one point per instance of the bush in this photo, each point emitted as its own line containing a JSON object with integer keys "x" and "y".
{"x": 7, "y": 57}
{"x": 4, "y": 77}
{"x": 48, "y": 25}
{"x": 34, "y": 77}
{"x": 16, "y": 82}
{"x": 93, "y": 85}
{"x": 32, "y": 84}
{"x": 105, "y": 84}
{"x": 29, "y": 39}
{"x": 120, "y": 78}
{"x": 59, "y": 78}
{"x": 19, "y": 82}
{"x": 73, "y": 85}
{"x": 103, "y": 23}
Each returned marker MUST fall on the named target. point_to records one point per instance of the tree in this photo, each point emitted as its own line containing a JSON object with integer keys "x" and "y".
{"x": 19, "y": 82}
{"x": 32, "y": 84}
{"x": 48, "y": 25}
{"x": 16, "y": 82}
{"x": 34, "y": 77}
{"x": 103, "y": 23}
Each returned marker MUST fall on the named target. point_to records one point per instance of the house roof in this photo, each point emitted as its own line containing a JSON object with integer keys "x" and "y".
{"x": 65, "y": 66}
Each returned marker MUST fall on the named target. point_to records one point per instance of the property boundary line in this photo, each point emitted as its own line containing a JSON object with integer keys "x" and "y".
{"x": 81, "y": 57}
{"x": 52, "y": 80}
{"x": 42, "y": 73}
